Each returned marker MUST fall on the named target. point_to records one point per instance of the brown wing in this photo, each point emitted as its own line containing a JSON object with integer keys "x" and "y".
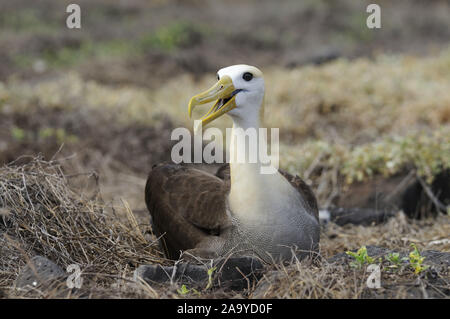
{"x": 186, "y": 205}
{"x": 224, "y": 173}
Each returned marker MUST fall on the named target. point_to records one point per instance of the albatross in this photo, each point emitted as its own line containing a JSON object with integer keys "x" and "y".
{"x": 238, "y": 210}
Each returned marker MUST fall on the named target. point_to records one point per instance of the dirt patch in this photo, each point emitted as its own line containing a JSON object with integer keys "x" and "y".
{"x": 85, "y": 132}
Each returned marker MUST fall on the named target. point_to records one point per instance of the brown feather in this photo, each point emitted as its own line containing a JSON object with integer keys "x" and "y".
{"x": 185, "y": 201}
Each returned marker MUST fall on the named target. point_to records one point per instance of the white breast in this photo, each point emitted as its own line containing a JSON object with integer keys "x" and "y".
{"x": 270, "y": 216}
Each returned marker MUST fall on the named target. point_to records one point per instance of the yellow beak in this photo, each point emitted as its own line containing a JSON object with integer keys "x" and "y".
{"x": 223, "y": 92}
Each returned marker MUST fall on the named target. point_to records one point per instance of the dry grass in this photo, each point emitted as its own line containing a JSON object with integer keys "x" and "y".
{"x": 339, "y": 280}
{"x": 334, "y": 281}
{"x": 42, "y": 214}
{"x": 398, "y": 233}
{"x": 45, "y": 217}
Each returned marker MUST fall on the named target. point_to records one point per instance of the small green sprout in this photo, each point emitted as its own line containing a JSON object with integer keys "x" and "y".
{"x": 361, "y": 257}
{"x": 210, "y": 277}
{"x": 183, "y": 290}
{"x": 395, "y": 260}
{"x": 45, "y": 132}
{"x": 17, "y": 133}
{"x": 60, "y": 134}
{"x": 416, "y": 260}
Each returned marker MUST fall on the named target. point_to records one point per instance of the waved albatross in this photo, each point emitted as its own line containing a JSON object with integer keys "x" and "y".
{"x": 238, "y": 210}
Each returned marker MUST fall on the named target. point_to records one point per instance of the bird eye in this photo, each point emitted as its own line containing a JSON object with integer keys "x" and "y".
{"x": 218, "y": 77}
{"x": 247, "y": 76}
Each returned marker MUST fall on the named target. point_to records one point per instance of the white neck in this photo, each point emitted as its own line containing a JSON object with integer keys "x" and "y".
{"x": 253, "y": 195}
{"x": 237, "y": 168}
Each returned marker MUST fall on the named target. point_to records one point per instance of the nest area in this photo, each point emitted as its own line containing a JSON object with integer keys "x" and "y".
{"x": 41, "y": 214}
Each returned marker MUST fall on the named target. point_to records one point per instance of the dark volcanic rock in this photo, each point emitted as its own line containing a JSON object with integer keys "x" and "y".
{"x": 416, "y": 203}
{"x": 234, "y": 273}
{"x": 238, "y": 272}
{"x": 360, "y": 216}
{"x": 402, "y": 192}
{"x": 437, "y": 257}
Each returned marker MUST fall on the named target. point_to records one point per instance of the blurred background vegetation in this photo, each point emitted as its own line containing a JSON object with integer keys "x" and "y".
{"x": 351, "y": 103}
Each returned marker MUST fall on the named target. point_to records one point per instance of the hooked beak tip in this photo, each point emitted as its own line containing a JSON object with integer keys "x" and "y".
{"x": 191, "y": 107}
{"x": 221, "y": 91}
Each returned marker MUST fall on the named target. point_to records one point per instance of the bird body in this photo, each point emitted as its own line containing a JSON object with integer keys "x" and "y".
{"x": 244, "y": 211}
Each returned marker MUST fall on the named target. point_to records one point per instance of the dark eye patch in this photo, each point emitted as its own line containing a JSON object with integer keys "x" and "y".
{"x": 218, "y": 77}
{"x": 247, "y": 76}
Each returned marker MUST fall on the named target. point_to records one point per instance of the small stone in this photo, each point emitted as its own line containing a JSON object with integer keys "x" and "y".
{"x": 3, "y": 210}
{"x": 238, "y": 273}
{"x": 39, "y": 66}
{"x": 234, "y": 273}
{"x": 360, "y": 216}
{"x": 38, "y": 271}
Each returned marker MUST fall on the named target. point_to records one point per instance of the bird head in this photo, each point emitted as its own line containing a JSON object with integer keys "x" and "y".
{"x": 239, "y": 92}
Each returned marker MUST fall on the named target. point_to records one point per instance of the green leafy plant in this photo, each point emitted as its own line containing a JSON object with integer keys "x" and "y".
{"x": 17, "y": 133}
{"x": 173, "y": 36}
{"x": 184, "y": 290}
{"x": 210, "y": 277}
{"x": 395, "y": 260}
{"x": 361, "y": 257}
{"x": 59, "y": 133}
{"x": 416, "y": 260}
